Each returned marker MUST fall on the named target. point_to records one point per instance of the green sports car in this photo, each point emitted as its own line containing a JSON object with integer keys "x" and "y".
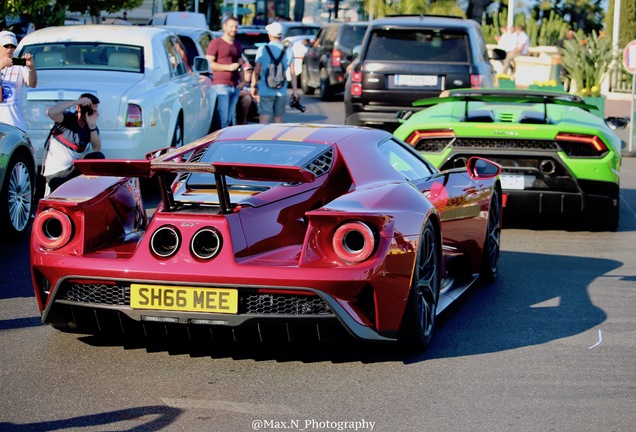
{"x": 557, "y": 157}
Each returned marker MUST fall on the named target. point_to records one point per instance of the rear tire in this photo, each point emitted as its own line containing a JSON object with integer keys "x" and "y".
{"x": 490, "y": 257}
{"x": 16, "y": 197}
{"x": 421, "y": 308}
{"x": 603, "y": 220}
{"x": 304, "y": 82}
{"x": 177, "y": 137}
{"x": 326, "y": 92}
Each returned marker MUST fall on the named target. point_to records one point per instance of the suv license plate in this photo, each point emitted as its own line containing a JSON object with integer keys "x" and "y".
{"x": 416, "y": 80}
{"x": 512, "y": 182}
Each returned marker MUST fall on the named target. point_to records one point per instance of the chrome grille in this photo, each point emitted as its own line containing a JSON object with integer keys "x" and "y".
{"x": 249, "y": 302}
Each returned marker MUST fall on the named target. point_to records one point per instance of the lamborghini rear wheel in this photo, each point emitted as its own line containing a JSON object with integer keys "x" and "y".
{"x": 421, "y": 308}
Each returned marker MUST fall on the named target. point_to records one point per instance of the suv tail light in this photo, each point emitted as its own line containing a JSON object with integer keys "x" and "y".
{"x": 133, "y": 116}
{"x": 356, "y": 84}
{"x": 475, "y": 80}
{"x": 336, "y": 58}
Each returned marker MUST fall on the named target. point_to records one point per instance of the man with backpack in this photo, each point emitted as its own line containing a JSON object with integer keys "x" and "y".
{"x": 269, "y": 85}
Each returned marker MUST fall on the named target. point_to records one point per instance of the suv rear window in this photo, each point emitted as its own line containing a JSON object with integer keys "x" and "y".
{"x": 419, "y": 45}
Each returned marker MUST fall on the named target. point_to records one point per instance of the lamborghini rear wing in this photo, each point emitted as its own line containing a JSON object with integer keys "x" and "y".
{"x": 508, "y": 96}
{"x": 170, "y": 163}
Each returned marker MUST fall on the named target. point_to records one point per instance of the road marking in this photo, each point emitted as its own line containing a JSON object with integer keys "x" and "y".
{"x": 600, "y": 340}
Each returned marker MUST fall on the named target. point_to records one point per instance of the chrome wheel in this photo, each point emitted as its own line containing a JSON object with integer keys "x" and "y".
{"x": 18, "y": 197}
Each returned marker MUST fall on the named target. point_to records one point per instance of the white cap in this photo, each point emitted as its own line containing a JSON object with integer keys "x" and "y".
{"x": 274, "y": 29}
{"x": 7, "y": 37}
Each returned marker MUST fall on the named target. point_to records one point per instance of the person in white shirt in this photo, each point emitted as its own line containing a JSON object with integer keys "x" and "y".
{"x": 521, "y": 48}
{"x": 12, "y": 80}
{"x": 508, "y": 39}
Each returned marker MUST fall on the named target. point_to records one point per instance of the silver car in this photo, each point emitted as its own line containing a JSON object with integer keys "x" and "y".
{"x": 17, "y": 182}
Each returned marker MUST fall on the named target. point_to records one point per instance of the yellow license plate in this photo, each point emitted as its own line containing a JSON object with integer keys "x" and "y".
{"x": 190, "y": 299}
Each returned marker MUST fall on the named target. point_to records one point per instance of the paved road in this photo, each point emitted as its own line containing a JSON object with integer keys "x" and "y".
{"x": 548, "y": 347}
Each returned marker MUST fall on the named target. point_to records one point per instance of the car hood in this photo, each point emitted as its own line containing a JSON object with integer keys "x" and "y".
{"x": 112, "y": 89}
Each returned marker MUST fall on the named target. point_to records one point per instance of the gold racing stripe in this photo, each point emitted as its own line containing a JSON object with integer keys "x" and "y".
{"x": 294, "y": 133}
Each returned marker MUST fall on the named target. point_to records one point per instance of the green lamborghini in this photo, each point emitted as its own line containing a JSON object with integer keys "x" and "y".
{"x": 557, "y": 157}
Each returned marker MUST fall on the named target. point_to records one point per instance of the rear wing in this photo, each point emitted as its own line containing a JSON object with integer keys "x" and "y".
{"x": 170, "y": 163}
{"x": 509, "y": 96}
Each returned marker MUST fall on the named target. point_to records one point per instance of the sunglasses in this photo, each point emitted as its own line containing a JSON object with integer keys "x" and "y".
{"x": 9, "y": 46}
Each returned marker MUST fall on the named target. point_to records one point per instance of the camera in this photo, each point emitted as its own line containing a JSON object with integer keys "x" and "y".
{"x": 18, "y": 61}
{"x": 295, "y": 104}
{"x": 86, "y": 110}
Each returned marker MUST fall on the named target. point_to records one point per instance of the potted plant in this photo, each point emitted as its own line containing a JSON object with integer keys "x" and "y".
{"x": 587, "y": 61}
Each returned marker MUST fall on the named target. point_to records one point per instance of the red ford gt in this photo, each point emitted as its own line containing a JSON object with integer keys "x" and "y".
{"x": 269, "y": 228}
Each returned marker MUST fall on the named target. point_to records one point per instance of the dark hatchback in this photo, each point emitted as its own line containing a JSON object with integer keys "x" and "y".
{"x": 326, "y": 61}
{"x": 403, "y": 59}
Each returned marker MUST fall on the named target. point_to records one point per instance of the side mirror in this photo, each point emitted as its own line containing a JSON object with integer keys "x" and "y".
{"x": 480, "y": 168}
{"x": 615, "y": 123}
{"x": 355, "y": 52}
{"x": 201, "y": 65}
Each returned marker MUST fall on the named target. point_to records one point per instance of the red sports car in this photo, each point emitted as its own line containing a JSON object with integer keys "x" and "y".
{"x": 270, "y": 228}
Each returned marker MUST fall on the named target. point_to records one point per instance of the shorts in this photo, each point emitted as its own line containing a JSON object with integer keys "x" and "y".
{"x": 272, "y": 105}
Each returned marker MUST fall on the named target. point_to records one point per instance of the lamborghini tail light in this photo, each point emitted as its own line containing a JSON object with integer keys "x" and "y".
{"x": 206, "y": 243}
{"x": 356, "y": 84}
{"x": 417, "y": 135}
{"x": 52, "y": 229}
{"x": 591, "y": 140}
{"x": 336, "y": 58}
{"x": 476, "y": 81}
{"x": 165, "y": 241}
{"x": 353, "y": 242}
{"x": 133, "y": 116}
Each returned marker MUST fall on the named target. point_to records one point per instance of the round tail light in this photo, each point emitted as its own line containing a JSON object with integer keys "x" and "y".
{"x": 52, "y": 229}
{"x": 353, "y": 242}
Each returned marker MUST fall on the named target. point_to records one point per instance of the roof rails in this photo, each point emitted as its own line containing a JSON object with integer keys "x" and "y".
{"x": 424, "y": 16}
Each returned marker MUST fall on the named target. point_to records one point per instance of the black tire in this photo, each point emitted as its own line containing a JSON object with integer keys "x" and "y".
{"x": 304, "y": 82}
{"x": 421, "y": 308}
{"x": 492, "y": 243}
{"x": 216, "y": 121}
{"x": 177, "y": 137}
{"x": 17, "y": 197}
{"x": 326, "y": 92}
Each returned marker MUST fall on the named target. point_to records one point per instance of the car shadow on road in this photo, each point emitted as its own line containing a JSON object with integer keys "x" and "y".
{"x": 524, "y": 307}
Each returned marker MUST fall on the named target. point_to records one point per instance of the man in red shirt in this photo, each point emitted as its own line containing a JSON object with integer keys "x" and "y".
{"x": 224, "y": 54}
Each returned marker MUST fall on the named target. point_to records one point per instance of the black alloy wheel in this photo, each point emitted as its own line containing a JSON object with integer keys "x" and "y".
{"x": 421, "y": 308}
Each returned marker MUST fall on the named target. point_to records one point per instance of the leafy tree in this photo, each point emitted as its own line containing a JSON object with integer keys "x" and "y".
{"x": 392, "y": 7}
{"x": 94, "y": 7}
{"x": 586, "y": 15}
{"x": 627, "y": 21}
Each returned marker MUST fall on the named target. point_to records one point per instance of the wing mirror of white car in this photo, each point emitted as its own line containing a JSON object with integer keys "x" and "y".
{"x": 615, "y": 123}
{"x": 201, "y": 65}
{"x": 480, "y": 168}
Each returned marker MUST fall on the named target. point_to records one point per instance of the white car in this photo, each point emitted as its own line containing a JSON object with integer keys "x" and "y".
{"x": 150, "y": 96}
{"x": 299, "y": 45}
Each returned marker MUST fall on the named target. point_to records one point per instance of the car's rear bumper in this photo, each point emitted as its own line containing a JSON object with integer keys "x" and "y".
{"x": 592, "y": 196}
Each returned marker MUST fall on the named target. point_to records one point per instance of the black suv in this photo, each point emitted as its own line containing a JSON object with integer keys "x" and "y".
{"x": 403, "y": 59}
{"x": 326, "y": 61}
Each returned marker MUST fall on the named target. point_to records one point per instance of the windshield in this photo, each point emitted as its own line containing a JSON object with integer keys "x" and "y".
{"x": 86, "y": 56}
{"x": 276, "y": 153}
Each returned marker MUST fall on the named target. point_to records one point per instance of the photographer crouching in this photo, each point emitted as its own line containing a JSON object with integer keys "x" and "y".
{"x": 74, "y": 135}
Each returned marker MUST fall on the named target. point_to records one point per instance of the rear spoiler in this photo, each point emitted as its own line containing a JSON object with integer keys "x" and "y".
{"x": 170, "y": 163}
{"x": 509, "y": 96}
